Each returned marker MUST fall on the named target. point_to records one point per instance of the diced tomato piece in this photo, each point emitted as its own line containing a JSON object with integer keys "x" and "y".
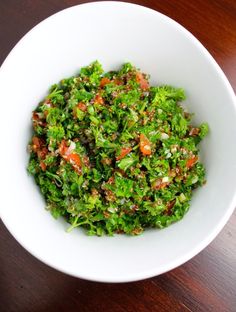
{"x": 82, "y": 106}
{"x": 104, "y": 81}
{"x": 163, "y": 185}
{"x": 36, "y": 144}
{"x": 63, "y": 148}
{"x": 192, "y": 161}
{"x": 142, "y": 81}
{"x": 145, "y": 145}
{"x": 43, "y": 166}
{"x": 35, "y": 116}
{"x": 98, "y": 99}
{"x": 159, "y": 186}
{"x": 124, "y": 151}
{"x": 111, "y": 180}
{"x": 39, "y": 148}
{"x": 42, "y": 153}
{"x": 74, "y": 159}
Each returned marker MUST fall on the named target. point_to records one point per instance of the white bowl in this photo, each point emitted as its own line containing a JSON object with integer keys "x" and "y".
{"x": 115, "y": 32}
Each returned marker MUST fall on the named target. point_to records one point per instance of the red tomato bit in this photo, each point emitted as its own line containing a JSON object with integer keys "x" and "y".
{"x": 145, "y": 145}
{"x": 124, "y": 151}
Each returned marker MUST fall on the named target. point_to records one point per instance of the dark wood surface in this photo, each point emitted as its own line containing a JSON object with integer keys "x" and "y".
{"x": 208, "y": 281}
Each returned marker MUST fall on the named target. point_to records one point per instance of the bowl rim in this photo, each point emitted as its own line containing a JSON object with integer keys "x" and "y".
{"x": 228, "y": 211}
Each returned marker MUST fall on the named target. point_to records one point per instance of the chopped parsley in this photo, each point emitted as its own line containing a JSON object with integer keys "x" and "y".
{"x": 112, "y": 154}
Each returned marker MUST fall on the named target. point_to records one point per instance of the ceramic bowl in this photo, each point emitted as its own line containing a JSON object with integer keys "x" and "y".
{"x": 113, "y": 33}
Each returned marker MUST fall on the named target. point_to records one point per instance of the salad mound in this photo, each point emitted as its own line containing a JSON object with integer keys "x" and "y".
{"x": 113, "y": 154}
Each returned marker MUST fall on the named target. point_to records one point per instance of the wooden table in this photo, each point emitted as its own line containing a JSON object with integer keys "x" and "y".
{"x": 208, "y": 281}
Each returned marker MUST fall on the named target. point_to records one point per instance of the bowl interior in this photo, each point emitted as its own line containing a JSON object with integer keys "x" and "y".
{"x": 114, "y": 33}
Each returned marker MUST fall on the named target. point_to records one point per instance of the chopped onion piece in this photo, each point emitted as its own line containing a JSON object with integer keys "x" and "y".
{"x": 182, "y": 197}
{"x": 194, "y": 179}
{"x": 164, "y": 136}
{"x": 71, "y": 147}
{"x": 165, "y": 179}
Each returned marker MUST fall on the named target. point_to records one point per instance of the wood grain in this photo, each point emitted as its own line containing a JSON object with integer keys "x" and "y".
{"x": 208, "y": 281}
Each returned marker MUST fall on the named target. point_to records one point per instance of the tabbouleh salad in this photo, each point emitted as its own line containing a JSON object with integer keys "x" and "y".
{"x": 112, "y": 154}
